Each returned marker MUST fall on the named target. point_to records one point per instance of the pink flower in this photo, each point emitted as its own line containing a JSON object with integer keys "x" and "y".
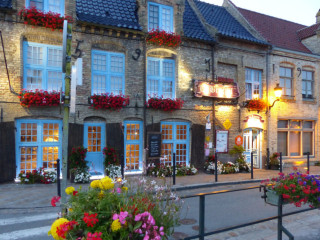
{"x": 94, "y": 236}
{"x": 54, "y": 200}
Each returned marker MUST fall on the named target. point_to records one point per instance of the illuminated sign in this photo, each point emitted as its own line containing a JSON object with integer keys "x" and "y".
{"x": 216, "y": 90}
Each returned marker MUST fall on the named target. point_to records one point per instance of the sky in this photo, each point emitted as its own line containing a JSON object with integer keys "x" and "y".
{"x": 298, "y": 11}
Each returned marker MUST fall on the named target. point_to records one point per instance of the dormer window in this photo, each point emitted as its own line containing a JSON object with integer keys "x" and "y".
{"x": 56, "y": 6}
{"x": 160, "y": 17}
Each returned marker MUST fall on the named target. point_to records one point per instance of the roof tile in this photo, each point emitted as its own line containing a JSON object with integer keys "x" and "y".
{"x": 308, "y": 31}
{"x": 6, "y": 4}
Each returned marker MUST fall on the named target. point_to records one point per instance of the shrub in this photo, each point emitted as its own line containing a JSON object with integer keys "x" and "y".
{"x": 42, "y": 175}
{"x": 110, "y": 157}
{"x": 77, "y": 160}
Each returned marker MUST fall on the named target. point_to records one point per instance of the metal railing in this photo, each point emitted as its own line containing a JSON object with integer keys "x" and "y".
{"x": 202, "y": 210}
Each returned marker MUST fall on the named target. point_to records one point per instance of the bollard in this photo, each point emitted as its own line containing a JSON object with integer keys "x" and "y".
{"x": 280, "y": 202}
{"x": 122, "y": 165}
{"x": 268, "y": 158}
{"x": 308, "y": 162}
{"x": 58, "y": 178}
{"x": 201, "y": 216}
{"x": 251, "y": 165}
{"x": 174, "y": 169}
{"x": 281, "y": 162}
{"x": 216, "y": 167}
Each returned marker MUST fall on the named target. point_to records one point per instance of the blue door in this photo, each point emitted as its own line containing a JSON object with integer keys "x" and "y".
{"x": 94, "y": 141}
{"x": 133, "y": 145}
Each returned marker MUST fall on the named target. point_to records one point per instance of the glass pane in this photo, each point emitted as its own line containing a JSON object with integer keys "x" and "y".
{"x": 99, "y": 84}
{"x": 28, "y": 158}
{"x": 99, "y": 62}
{"x": 181, "y": 156}
{"x": 307, "y": 124}
{"x": 166, "y": 19}
{"x": 132, "y": 156}
{"x": 28, "y": 132}
{"x": 166, "y": 153}
{"x": 282, "y": 124}
{"x": 54, "y": 57}
{"x": 307, "y": 143}
{"x": 34, "y": 55}
{"x": 38, "y": 4}
{"x": 94, "y": 139}
{"x": 50, "y": 135}
{"x": 166, "y": 132}
{"x": 294, "y": 147}
{"x": 116, "y": 85}
{"x": 116, "y": 64}
{"x": 34, "y": 79}
{"x": 49, "y": 157}
{"x": 153, "y": 17}
{"x": 282, "y": 143}
{"x": 295, "y": 124}
{"x": 54, "y": 6}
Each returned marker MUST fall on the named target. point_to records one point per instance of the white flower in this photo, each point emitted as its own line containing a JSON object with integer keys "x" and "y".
{"x": 153, "y": 182}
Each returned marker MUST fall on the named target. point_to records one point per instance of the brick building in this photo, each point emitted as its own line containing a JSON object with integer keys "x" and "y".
{"x": 110, "y": 39}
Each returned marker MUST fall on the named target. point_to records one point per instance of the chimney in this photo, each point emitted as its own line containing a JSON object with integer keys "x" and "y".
{"x": 318, "y": 17}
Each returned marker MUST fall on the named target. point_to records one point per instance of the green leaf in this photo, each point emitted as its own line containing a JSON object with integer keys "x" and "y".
{"x": 138, "y": 225}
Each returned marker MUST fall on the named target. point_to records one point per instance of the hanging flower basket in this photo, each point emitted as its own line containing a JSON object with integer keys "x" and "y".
{"x": 37, "y": 98}
{"x": 163, "y": 38}
{"x": 165, "y": 104}
{"x": 35, "y": 17}
{"x": 109, "y": 101}
{"x": 255, "y": 105}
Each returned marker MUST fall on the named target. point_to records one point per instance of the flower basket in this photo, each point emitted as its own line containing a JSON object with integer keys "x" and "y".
{"x": 35, "y": 17}
{"x": 273, "y": 198}
{"x": 163, "y": 38}
{"x": 165, "y": 104}
{"x": 109, "y": 101}
{"x": 255, "y": 105}
{"x": 39, "y": 98}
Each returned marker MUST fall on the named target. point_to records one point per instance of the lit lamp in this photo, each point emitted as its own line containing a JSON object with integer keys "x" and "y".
{"x": 277, "y": 93}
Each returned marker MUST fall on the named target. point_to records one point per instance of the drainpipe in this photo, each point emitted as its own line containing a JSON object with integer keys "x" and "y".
{"x": 267, "y": 93}
{"x": 145, "y": 92}
{"x": 213, "y": 104}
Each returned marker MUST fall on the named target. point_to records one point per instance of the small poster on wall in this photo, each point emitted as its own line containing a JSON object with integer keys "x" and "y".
{"x": 222, "y": 141}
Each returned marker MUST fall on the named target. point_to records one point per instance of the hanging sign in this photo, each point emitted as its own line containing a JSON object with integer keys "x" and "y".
{"x": 238, "y": 140}
{"x": 216, "y": 90}
{"x": 222, "y": 141}
{"x": 227, "y": 124}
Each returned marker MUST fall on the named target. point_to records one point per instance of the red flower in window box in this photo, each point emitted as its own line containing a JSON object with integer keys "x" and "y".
{"x": 256, "y": 104}
{"x": 109, "y": 101}
{"x": 30, "y": 98}
{"x": 35, "y": 17}
{"x": 165, "y": 104}
{"x": 163, "y": 38}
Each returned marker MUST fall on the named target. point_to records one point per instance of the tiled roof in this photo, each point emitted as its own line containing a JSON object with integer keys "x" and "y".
{"x": 5, "y": 3}
{"x": 192, "y": 26}
{"x": 308, "y": 31}
{"x": 224, "y": 22}
{"x": 117, "y": 13}
{"x": 278, "y": 32}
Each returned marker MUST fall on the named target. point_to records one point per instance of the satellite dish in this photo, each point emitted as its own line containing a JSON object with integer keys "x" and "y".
{"x": 64, "y": 45}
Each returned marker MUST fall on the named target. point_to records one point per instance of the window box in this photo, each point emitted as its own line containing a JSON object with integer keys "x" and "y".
{"x": 35, "y": 17}
{"x": 109, "y": 101}
{"x": 165, "y": 104}
{"x": 39, "y": 98}
{"x": 255, "y": 105}
{"x": 163, "y": 38}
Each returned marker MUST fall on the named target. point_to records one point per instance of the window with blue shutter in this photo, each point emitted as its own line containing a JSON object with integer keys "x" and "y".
{"x": 160, "y": 17}
{"x": 108, "y": 72}
{"x": 56, "y": 6}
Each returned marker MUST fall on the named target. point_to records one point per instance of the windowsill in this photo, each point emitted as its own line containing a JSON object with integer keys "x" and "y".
{"x": 287, "y": 98}
{"x": 309, "y": 100}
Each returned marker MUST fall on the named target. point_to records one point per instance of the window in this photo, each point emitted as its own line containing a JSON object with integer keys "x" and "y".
{"x": 56, "y": 6}
{"x": 286, "y": 81}
{"x": 38, "y": 144}
{"x": 42, "y": 67}
{"x": 108, "y": 71}
{"x": 307, "y": 84}
{"x": 175, "y": 139}
{"x": 160, "y": 17}
{"x": 253, "y": 84}
{"x": 295, "y": 137}
{"x": 161, "y": 77}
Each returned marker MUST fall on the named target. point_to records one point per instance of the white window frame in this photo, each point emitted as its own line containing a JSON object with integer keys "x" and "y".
{"x": 250, "y": 76}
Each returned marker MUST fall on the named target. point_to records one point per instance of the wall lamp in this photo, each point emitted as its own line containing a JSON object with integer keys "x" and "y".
{"x": 277, "y": 93}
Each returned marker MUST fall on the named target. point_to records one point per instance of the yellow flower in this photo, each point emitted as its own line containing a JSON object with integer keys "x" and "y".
{"x": 106, "y": 183}
{"x": 95, "y": 184}
{"x": 124, "y": 188}
{"x": 116, "y": 225}
{"x": 101, "y": 194}
{"x": 70, "y": 209}
{"x": 70, "y": 190}
{"x": 54, "y": 226}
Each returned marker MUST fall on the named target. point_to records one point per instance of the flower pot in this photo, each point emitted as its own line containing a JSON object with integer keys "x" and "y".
{"x": 273, "y": 198}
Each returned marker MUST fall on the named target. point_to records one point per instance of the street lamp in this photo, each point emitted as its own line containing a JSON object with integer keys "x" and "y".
{"x": 277, "y": 93}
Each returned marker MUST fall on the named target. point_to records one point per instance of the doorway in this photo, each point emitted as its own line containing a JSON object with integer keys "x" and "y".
{"x": 252, "y": 143}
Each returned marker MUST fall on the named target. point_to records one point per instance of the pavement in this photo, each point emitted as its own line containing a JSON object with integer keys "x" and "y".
{"x": 15, "y": 197}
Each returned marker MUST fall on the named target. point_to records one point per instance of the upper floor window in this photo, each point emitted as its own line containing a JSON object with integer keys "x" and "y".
{"x": 160, "y": 17}
{"x": 56, "y": 6}
{"x": 307, "y": 84}
{"x": 42, "y": 67}
{"x": 108, "y": 72}
{"x": 286, "y": 81}
{"x": 161, "y": 77}
{"x": 253, "y": 84}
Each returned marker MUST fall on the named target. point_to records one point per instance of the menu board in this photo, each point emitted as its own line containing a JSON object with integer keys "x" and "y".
{"x": 154, "y": 145}
{"x": 222, "y": 141}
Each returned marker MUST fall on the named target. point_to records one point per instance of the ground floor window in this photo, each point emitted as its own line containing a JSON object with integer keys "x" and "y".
{"x": 38, "y": 144}
{"x": 175, "y": 139}
{"x": 295, "y": 137}
{"x": 133, "y": 145}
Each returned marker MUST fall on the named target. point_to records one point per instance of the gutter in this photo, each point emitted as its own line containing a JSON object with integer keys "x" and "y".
{"x": 297, "y": 53}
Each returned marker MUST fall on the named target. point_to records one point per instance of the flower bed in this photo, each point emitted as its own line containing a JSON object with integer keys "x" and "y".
{"x": 165, "y": 104}
{"x": 111, "y": 209}
{"x": 35, "y": 17}
{"x": 30, "y": 98}
{"x": 42, "y": 175}
{"x": 296, "y": 188}
{"x": 226, "y": 168}
{"x": 162, "y": 170}
{"x": 256, "y": 105}
{"x": 274, "y": 161}
{"x": 163, "y": 38}
{"x": 109, "y": 101}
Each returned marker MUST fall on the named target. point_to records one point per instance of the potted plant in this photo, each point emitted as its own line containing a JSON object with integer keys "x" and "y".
{"x": 240, "y": 161}
{"x": 108, "y": 101}
{"x": 163, "y": 38}
{"x": 165, "y": 104}
{"x": 37, "y": 98}
{"x": 111, "y": 162}
{"x": 209, "y": 164}
{"x": 274, "y": 163}
{"x": 255, "y": 104}
{"x": 77, "y": 163}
